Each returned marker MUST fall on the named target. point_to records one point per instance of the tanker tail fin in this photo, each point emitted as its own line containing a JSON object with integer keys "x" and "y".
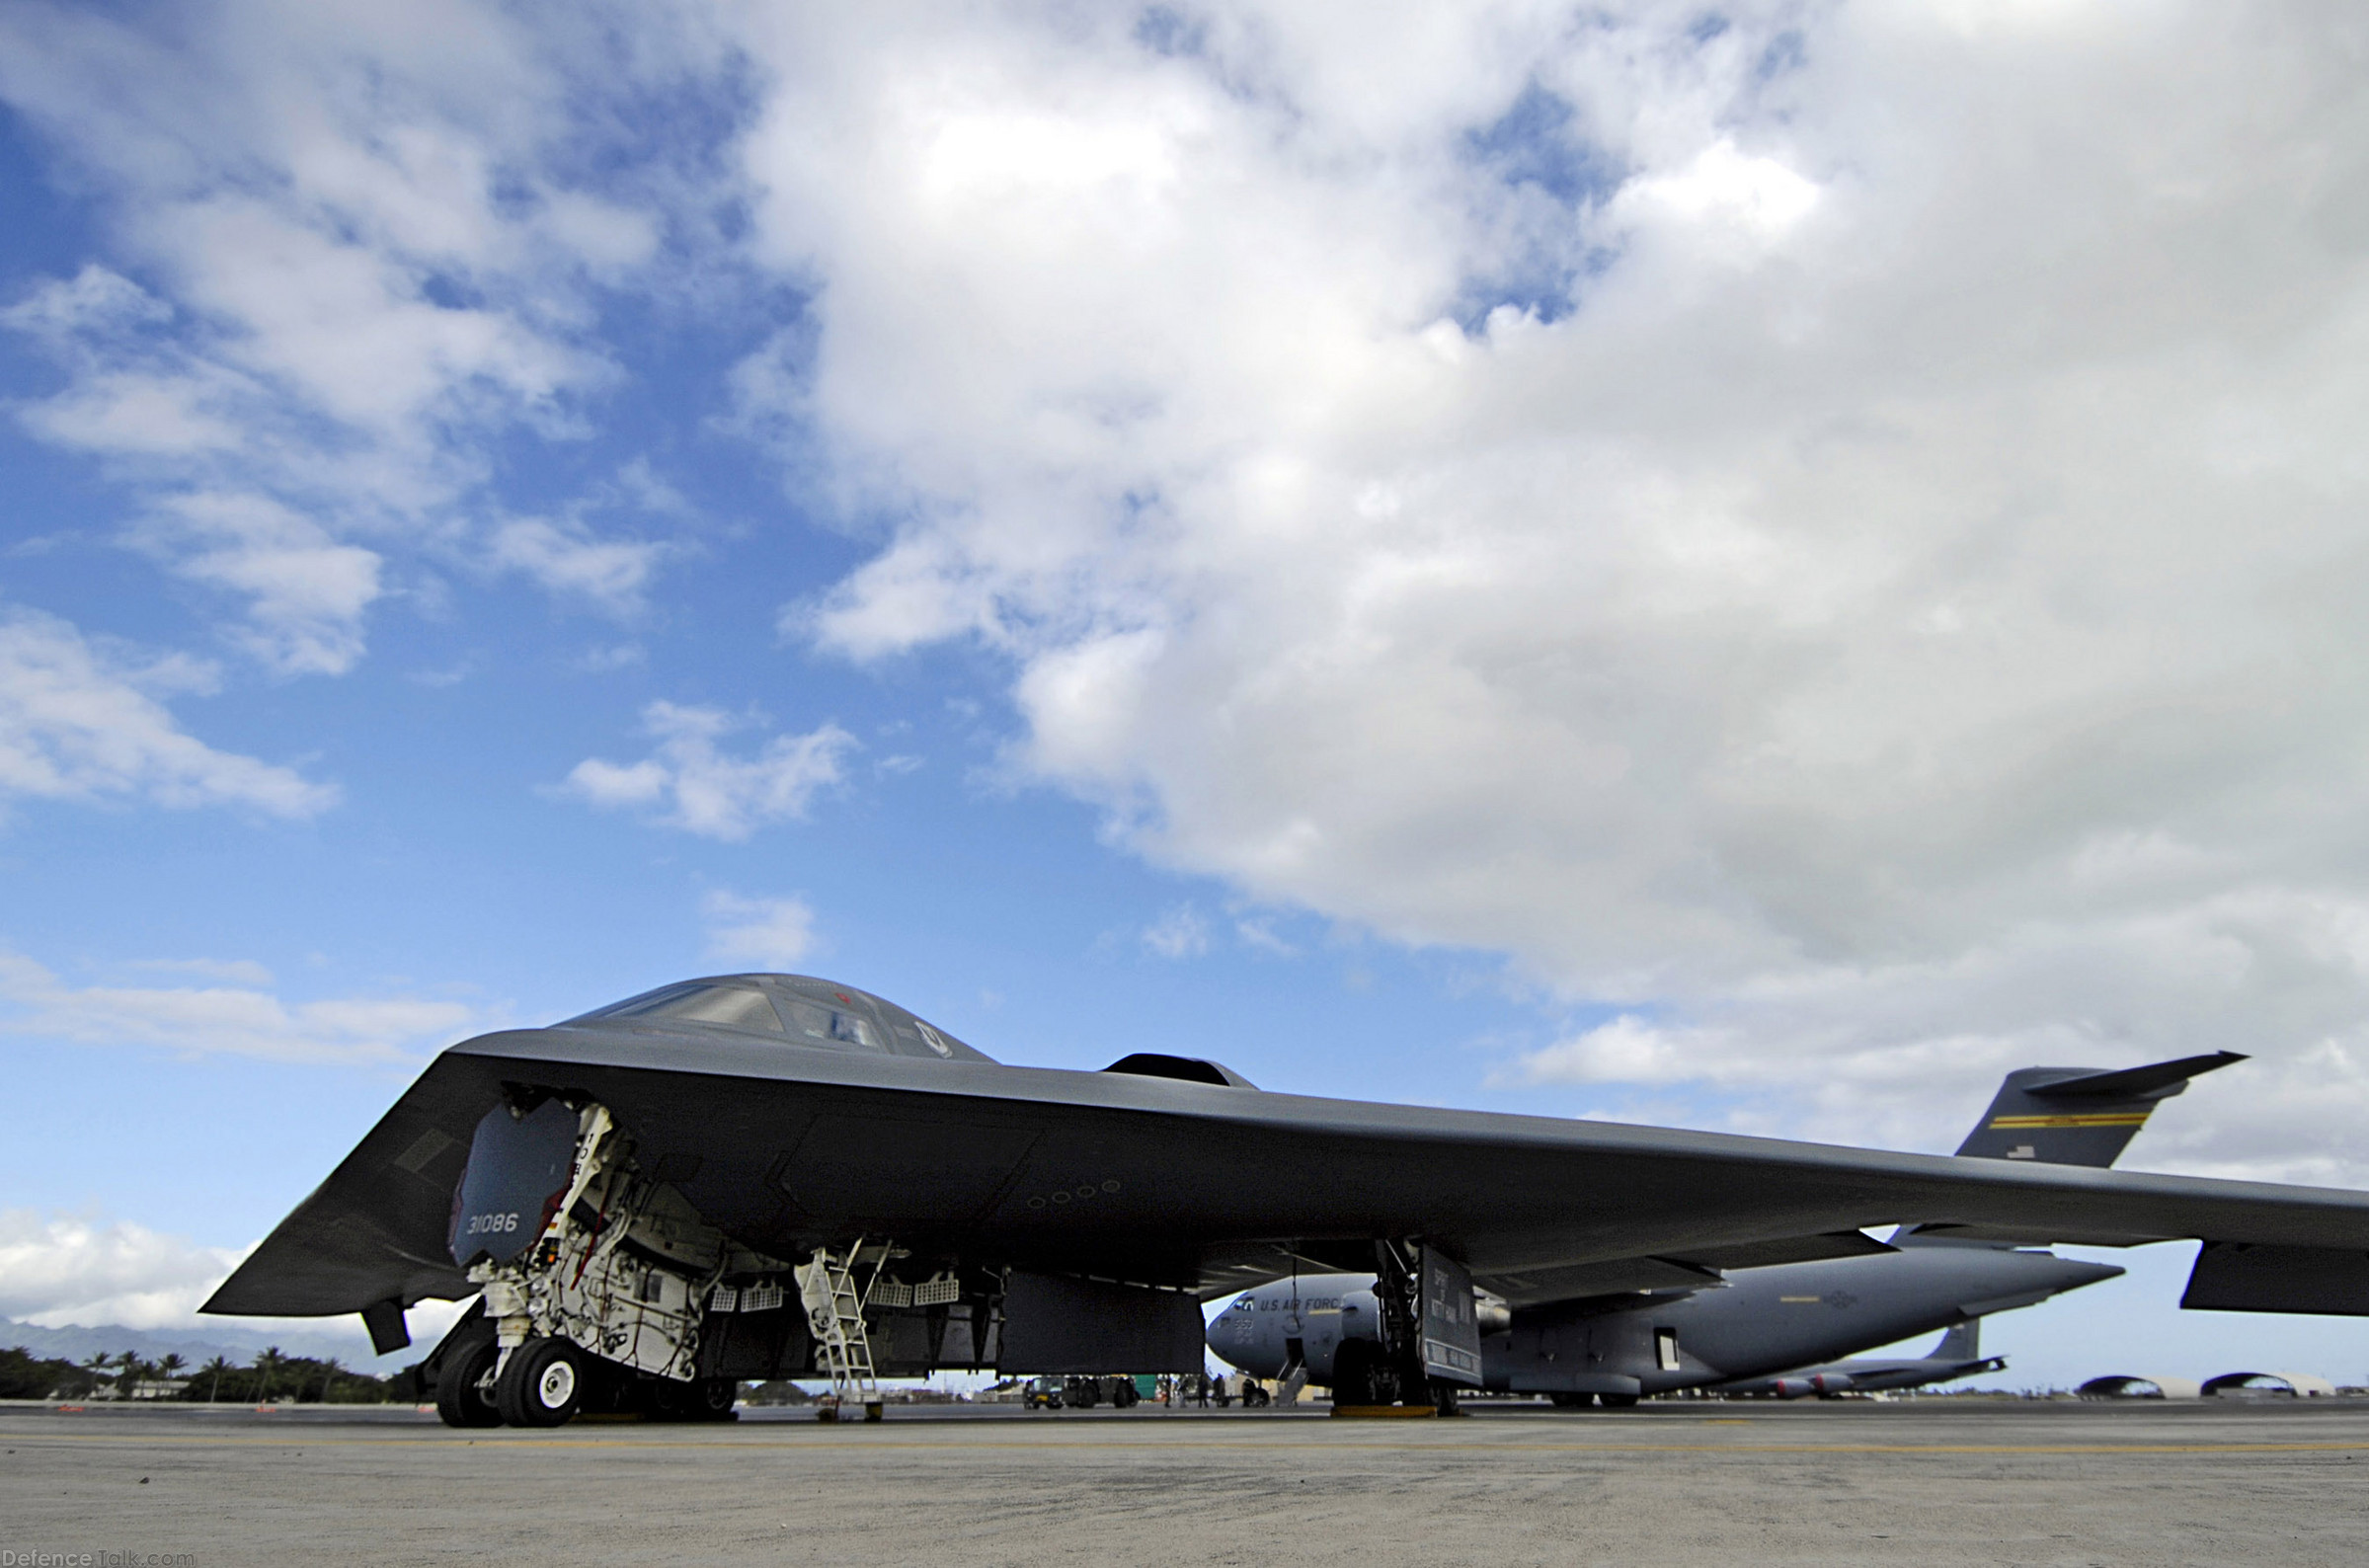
{"x": 1963, "y": 1342}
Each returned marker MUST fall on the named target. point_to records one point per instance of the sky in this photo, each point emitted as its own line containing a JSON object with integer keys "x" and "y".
{"x": 1751, "y": 568}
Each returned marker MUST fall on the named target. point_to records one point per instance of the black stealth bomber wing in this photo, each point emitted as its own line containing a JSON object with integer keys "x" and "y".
{"x": 1210, "y": 1186}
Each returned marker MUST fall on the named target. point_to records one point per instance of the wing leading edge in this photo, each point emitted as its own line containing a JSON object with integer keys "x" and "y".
{"x": 1198, "y": 1185}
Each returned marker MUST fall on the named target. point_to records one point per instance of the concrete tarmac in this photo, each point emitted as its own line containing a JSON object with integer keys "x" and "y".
{"x": 1926, "y": 1483}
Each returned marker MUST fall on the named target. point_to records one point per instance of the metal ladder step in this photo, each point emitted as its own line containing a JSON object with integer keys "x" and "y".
{"x": 836, "y": 1315}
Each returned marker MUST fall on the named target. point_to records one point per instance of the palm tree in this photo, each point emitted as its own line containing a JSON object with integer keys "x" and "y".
{"x": 94, "y": 1368}
{"x": 329, "y": 1371}
{"x": 217, "y": 1367}
{"x": 167, "y": 1366}
{"x": 267, "y": 1365}
{"x": 133, "y": 1370}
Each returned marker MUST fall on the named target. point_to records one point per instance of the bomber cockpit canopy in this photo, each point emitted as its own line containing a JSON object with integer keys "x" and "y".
{"x": 795, "y": 1008}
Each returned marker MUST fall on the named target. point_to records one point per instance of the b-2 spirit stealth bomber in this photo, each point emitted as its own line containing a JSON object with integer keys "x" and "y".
{"x": 759, "y": 1176}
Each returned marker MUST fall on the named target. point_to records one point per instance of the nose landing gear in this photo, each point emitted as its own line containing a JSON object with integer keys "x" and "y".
{"x": 464, "y": 1388}
{"x": 603, "y": 1312}
{"x": 542, "y": 1385}
{"x": 548, "y": 1380}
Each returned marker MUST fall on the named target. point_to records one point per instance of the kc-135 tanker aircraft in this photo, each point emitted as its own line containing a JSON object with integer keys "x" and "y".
{"x": 762, "y": 1175}
{"x": 1765, "y": 1330}
{"x": 1958, "y": 1355}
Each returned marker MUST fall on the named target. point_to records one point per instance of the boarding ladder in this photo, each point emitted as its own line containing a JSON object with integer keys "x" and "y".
{"x": 835, "y": 1312}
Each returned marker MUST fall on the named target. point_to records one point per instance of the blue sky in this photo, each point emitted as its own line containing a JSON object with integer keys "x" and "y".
{"x": 1751, "y": 575}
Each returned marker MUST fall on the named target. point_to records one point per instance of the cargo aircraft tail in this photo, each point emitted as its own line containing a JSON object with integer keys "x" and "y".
{"x": 2079, "y": 1116}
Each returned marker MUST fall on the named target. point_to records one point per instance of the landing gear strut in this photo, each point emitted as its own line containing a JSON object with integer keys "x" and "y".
{"x": 1400, "y": 1376}
{"x": 1397, "y": 1369}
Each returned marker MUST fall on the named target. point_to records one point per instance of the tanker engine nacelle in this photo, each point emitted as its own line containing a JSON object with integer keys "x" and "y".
{"x": 1820, "y": 1384}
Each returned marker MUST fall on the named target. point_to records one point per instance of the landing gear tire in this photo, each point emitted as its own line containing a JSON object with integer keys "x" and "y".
{"x": 1617, "y": 1401}
{"x": 708, "y": 1399}
{"x": 463, "y": 1395}
{"x": 542, "y": 1384}
{"x": 1353, "y": 1374}
{"x": 1572, "y": 1401}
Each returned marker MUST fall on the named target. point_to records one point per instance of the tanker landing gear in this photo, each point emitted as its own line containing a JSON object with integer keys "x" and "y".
{"x": 1583, "y": 1402}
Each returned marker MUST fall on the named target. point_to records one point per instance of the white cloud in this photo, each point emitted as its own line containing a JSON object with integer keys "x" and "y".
{"x": 1844, "y": 516}
{"x": 1258, "y": 933}
{"x": 1626, "y": 1050}
{"x": 1758, "y": 197}
{"x": 705, "y": 790}
{"x": 342, "y": 263}
{"x": 242, "y": 972}
{"x": 60, "y": 1270}
{"x": 1905, "y": 1054}
{"x": 1178, "y": 933}
{"x": 94, "y": 300}
{"x": 764, "y": 933}
{"x": 1839, "y": 538}
{"x": 306, "y": 591}
{"x": 564, "y": 558}
{"x": 601, "y": 661}
{"x": 63, "y": 1269}
{"x": 232, "y": 1019}
{"x": 82, "y": 721}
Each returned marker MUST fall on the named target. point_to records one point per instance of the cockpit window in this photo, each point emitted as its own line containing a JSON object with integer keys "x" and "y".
{"x": 732, "y": 1006}
{"x": 819, "y": 1021}
{"x": 812, "y": 1013}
